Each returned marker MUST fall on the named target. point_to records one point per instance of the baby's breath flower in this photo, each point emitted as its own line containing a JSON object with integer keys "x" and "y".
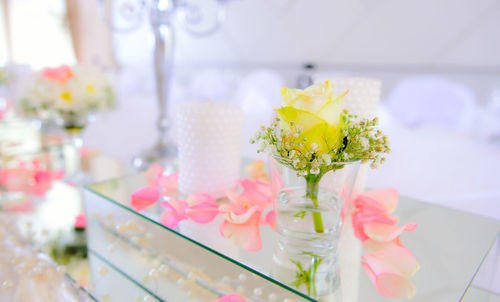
{"x": 314, "y": 171}
{"x": 325, "y": 159}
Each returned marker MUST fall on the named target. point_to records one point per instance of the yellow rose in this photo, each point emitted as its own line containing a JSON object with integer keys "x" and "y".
{"x": 316, "y": 114}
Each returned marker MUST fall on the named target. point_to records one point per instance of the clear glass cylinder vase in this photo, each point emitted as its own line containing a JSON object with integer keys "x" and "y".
{"x": 309, "y": 211}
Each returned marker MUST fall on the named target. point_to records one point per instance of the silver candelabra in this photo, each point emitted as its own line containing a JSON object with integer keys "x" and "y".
{"x": 163, "y": 14}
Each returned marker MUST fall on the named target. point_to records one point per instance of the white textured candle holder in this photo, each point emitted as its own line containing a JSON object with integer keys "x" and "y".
{"x": 209, "y": 147}
{"x": 363, "y": 96}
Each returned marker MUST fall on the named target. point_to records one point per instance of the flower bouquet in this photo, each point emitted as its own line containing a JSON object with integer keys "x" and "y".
{"x": 316, "y": 148}
{"x": 69, "y": 93}
{"x": 70, "y": 96}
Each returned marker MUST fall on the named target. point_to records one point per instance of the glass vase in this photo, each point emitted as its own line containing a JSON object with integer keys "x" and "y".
{"x": 309, "y": 212}
{"x": 74, "y": 124}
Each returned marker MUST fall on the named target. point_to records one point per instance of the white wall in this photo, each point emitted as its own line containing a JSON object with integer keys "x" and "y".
{"x": 381, "y": 32}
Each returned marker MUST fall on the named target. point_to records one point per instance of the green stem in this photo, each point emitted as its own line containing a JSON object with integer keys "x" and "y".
{"x": 312, "y": 193}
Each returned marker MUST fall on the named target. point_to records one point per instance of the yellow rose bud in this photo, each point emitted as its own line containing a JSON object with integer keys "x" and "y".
{"x": 315, "y": 114}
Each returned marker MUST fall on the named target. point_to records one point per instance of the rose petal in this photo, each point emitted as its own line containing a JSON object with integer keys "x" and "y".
{"x": 171, "y": 219}
{"x": 144, "y": 198}
{"x": 169, "y": 184}
{"x": 244, "y": 217}
{"x": 372, "y": 246}
{"x": 387, "y": 197}
{"x": 394, "y": 259}
{"x": 179, "y": 206}
{"x": 385, "y": 232}
{"x": 153, "y": 173}
{"x": 271, "y": 219}
{"x": 198, "y": 198}
{"x": 246, "y": 235}
{"x": 256, "y": 192}
{"x": 80, "y": 221}
{"x": 24, "y": 207}
{"x": 391, "y": 285}
{"x": 231, "y": 298}
{"x": 203, "y": 212}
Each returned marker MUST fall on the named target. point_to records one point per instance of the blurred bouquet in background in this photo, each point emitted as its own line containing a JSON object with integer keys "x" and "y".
{"x": 69, "y": 93}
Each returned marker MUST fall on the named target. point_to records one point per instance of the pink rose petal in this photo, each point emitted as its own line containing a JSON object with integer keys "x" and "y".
{"x": 231, "y": 298}
{"x": 169, "y": 184}
{"x": 246, "y": 235}
{"x": 389, "y": 270}
{"x": 271, "y": 219}
{"x": 385, "y": 232}
{"x": 372, "y": 246}
{"x": 60, "y": 74}
{"x": 175, "y": 212}
{"x": 256, "y": 170}
{"x": 23, "y": 207}
{"x": 392, "y": 260}
{"x": 144, "y": 197}
{"x": 80, "y": 221}
{"x": 203, "y": 212}
{"x": 198, "y": 198}
{"x": 153, "y": 173}
{"x": 387, "y": 197}
{"x": 391, "y": 285}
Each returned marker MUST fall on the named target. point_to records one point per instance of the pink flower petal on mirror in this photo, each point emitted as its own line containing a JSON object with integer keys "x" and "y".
{"x": 359, "y": 219}
{"x": 169, "y": 184}
{"x": 178, "y": 206}
{"x": 19, "y": 207}
{"x": 256, "y": 170}
{"x": 385, "y": 232}
{"x": 246, "y": 235}
{"x": 394, "y": 259}
{"x": 372, "y": 246}
{"x": 80, "y": 221}
{"x": 390, "y": 285}
{"x": 271, "y": 219}
{"x": 203, "y": 212}
{"x": 144, "y": 197}
{"x": 231, "y": 298}
{"x": 153, "y": 173}
{"x": 198, "y": 198}
{"x": 60, "y": 74}
{"x": 387, "y": 197}
{"x": 256, "y": 192}
{"x": 367, "y": 204}
{"x": 171, "y": 219}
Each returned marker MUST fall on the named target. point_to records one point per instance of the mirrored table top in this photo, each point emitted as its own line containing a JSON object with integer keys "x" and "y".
{"x": 450, "y": 245}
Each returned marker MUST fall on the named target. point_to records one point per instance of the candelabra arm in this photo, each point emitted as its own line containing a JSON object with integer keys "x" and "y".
{"x": 163, "y": 52}
{"x": 187, "y": 21}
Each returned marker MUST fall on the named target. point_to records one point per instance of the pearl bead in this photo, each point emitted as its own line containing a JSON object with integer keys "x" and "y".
{"x": 240, "y": 290}
{"x": 164, "y": 268}
{"x": 147, "y": 299}
{"x": 121, "y": 228}
{"x": 272, "y": 297}
{"x": 7, "y": 284}
{"x": 131, "y": 225}
{"x": 257, "y": 292}
{"x": 242, "y": 277}
{"x": 103, "y": 270}
{"x": 111, "y": 248}
{"x": 154, "y": 274}
{"x": 181, "y": 281}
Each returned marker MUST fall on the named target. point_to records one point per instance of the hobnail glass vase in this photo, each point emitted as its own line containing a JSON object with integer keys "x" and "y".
{"x": 308, "y": 222}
